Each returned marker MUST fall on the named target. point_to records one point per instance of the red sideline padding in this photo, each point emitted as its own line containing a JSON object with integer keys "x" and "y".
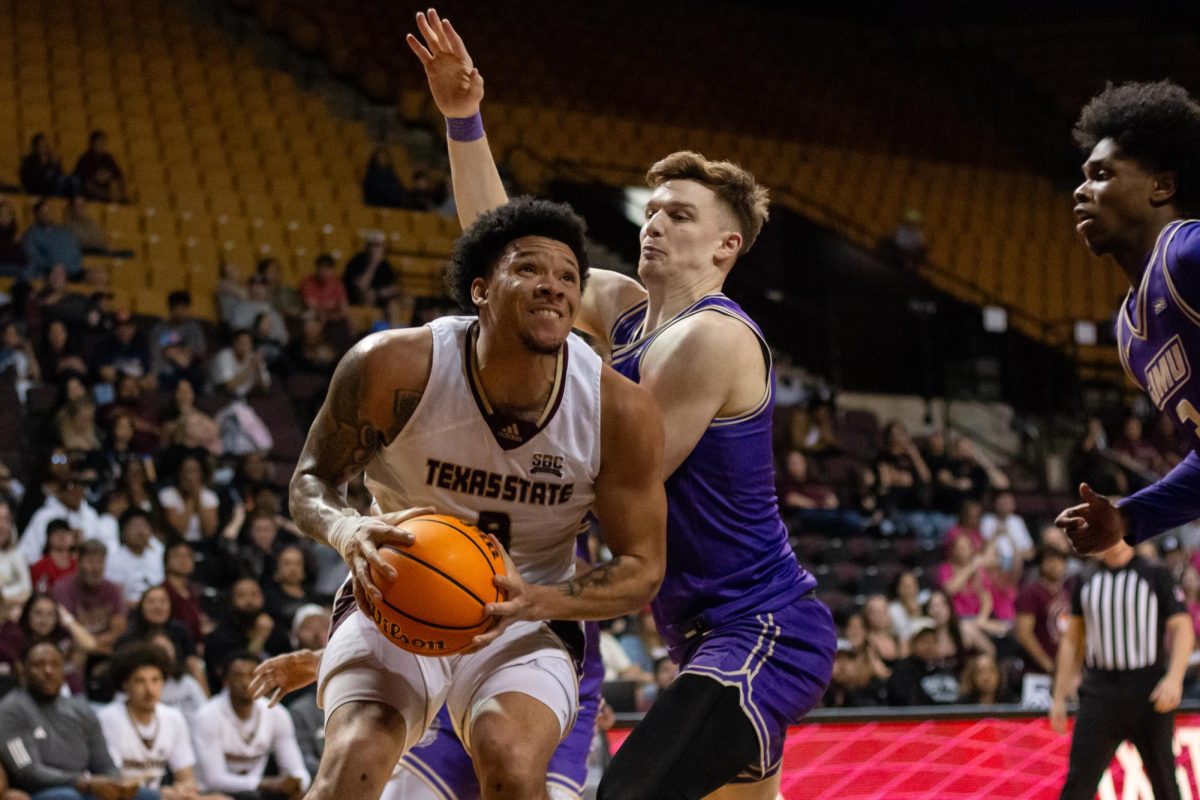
{"x": 984, "y": 759}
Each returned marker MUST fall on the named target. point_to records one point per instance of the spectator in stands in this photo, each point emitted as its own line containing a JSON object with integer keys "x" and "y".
{"x": 980, "y": 683}
{"x": 42, "y": 619}
{"x": 1136, "y": 453}
{"x": 852, "y": 684}
{"x": 246, "y": 627}
{"x": 665, "y": 673}
{"x": 245, "y": 313}
{"x": 901, "y": 479}
{"x": 1007, "y": 531}
{"x": 1091, "y": 462}
{"x": 856, "y": 634}
{"x": 15, "y": 582}
{"x": 238, "y": 734}
{"x": 66, "y": 501}
{"x": 42, "y": 173}
{"x": 905, "y": 246}
{"x": 268, "y": 345}
{"x": 178, "y": 362}
{"x": 137, "y": 563}
{"x": 285, "y": 592}
{"x": 121, "y": 451}
{"x": 55, "y": 302}
{"x": 181, "y": 690}
{"x": 905, "y": 608}
{"x": 1190, "y": 584}
{"x": 190, "y": 507}
{"x": 881, "y": 637}
{"x": 922, "y": 678}
{"x": 189, "y": 427}
{"x": 179, "y": 565}
{"x": 965, "y": 474}
{"x": 136, "y": 482}
{"x": 18, "y": 358}
{"x": 89, "y": 234}
{"x": 964, "y": 577}
{"x": 1042, "y": 610}
{"x": 311, "y": 351}
{"x": 956, "y": 637}
{"x": 73, "y": 761}
{"x": 123, "y": 351}
{"x": 141, "y": 405}
{"x": 179, "y": 321}
{"x": 370, "y": 280}
{"x": 239, "y": 369}
{"x": 381, "y": 185}
{"x": 310, "y": 629}
{"x": 146, "y": 737}
{"x": 797, "y": 491}
{"x": 231, "y": 290}
{"x": 255, "y": 548}
{"x": 98, "y": 604}
{"x": 59, "y": 560}
{"x": 283, "y": 298}
{"x": 1167, "y": 441}
{"x": 76, "y": 425}
{"x": 12, "y": 254}
{"x": 100, "y": 178}
{"x": 150, "y": 617}
{"x": 618, "y": 666}
{"x": 814, "y": 432}
{"x": 428, "y": 191}
{"x": 323, "y": 292}
{"x": 58, "y": 353}
{"x": 47, "y": 243}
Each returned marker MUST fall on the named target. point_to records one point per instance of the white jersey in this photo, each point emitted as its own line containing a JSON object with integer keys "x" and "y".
{"x": 144, "y": 752}
{"x": 233, "y": 752}
{"x": 529, "y": 483}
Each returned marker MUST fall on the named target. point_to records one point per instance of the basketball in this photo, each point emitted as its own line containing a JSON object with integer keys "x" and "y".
{"x": 434, "y": 607}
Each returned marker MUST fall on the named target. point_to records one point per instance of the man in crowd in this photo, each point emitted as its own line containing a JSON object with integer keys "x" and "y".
{"x": 47, "y": 243}
{"x": 236, "y": 734}
{"x": 248, "y": 628}
{"x": 137, "y": 563}
{"x": 98, "y": 604}
{"x": 53, "y": 745}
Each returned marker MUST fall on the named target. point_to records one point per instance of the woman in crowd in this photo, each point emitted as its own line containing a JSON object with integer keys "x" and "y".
{"x": 43, "y": 619}
{"x": 189, "y": 506}
{"x": 881, "y": 637}
{"x": 151, "y": 617}
{"x": 189, "y": 427}
{"x": 980, "y": 683}
{"x": 957, "y": 638}
{"x": 905, "y": 608}
{"x": 15, "y": 583}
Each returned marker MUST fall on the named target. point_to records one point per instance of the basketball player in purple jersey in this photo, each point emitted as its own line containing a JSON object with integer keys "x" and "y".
{"x": 736, "y": 609}
{"x": 1141, "y": 186}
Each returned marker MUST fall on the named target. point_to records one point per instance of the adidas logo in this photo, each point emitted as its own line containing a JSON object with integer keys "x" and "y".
{"x": 510, "y": 432}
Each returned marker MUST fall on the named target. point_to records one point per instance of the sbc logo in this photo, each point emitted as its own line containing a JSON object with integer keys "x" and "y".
{"x": 544, "y": 463}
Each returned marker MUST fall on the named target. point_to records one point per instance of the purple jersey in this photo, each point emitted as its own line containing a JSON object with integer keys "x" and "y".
{"x": 727, "y": 548}
{"x": 1157, "y": 327}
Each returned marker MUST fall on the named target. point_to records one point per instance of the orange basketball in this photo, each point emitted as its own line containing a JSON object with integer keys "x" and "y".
{"x": 434, "y": 607}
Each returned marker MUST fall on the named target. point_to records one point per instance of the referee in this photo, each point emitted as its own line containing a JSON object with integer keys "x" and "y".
{"x": 1119, "y": 615}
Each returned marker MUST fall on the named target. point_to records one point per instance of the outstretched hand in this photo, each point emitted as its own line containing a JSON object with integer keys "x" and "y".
{"x": 284, "y": 674}
{"x": 1094, "y": 525}
{"x": 456, "y": 85}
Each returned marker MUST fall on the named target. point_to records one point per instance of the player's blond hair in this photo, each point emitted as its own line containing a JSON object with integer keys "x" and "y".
{"x": 734, "y": 186}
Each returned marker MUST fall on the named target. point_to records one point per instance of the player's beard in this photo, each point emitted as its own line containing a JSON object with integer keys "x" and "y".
{"x": 540, "y": 348}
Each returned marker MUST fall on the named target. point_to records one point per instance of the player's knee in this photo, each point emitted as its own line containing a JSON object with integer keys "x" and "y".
{"x": 362, "y": 745}
{"x": 509, "y": 768}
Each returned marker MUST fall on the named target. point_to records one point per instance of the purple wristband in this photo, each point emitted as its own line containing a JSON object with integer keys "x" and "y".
{"x": 465, "y": 129}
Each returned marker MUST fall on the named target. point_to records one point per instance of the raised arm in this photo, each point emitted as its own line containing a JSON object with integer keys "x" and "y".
{"x": 373, "y": 393}
{"x": 457, "y": 89}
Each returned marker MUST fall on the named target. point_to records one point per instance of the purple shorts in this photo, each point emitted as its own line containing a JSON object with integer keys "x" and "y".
{"x": 780, "y": 661}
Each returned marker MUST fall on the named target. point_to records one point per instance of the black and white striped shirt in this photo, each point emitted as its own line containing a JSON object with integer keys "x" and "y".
{"x": 1125, "y": 613}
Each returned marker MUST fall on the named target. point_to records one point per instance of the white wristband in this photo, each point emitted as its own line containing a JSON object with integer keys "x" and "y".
{"x": 341, "y": 534}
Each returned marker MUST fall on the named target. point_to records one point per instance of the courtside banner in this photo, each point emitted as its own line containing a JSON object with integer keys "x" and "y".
{"x": 957, "y": 759}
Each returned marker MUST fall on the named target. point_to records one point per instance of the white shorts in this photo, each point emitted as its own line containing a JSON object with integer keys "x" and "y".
{"x": 360, "y": 663}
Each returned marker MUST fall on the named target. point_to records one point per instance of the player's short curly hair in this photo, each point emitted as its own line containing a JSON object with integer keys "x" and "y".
{"x": 478, "y": 249}
{"x": 734, "y": 186}
{"x": 1155, "y": 124}
{"x": 132, "y": 657}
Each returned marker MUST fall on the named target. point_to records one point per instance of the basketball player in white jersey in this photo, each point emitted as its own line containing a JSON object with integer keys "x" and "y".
{"x": 511, "y": 422}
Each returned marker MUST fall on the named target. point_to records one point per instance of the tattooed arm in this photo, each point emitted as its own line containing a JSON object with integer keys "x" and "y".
{"x": 373, "y": 393}
{"x": 631, "y": 506}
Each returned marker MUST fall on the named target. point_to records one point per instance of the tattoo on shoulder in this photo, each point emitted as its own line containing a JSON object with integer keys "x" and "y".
{"x": 404, "y": 405}
{"x": 600, "y": 576}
